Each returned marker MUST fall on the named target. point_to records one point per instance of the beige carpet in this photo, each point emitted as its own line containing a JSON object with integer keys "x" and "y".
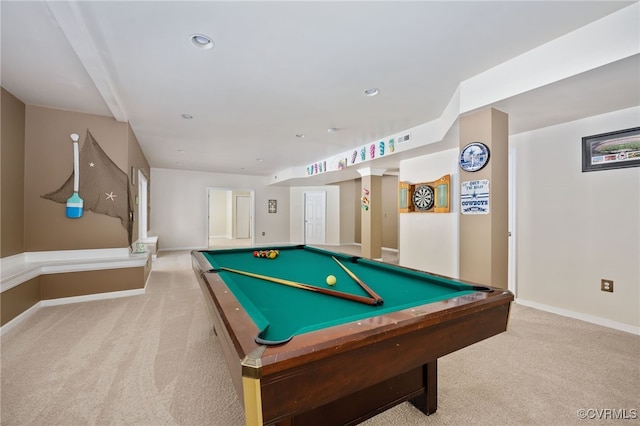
{"x": 153, "y": 360}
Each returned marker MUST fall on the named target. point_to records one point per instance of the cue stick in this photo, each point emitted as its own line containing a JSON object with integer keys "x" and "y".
{"x": 360, "y": 282}
{"x": 347, "y": 296}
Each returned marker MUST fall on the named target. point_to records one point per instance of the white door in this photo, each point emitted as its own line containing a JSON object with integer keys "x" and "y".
{"x": 314, "y": 217}
{"x": 243, "y": 216}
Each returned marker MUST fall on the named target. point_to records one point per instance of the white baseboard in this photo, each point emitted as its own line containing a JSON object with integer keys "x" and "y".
{"x": 17, "y": 320}
{"x": 582, "y": 317}
{"x": 230, "y": 247}
{"x": 68, "y": 300}
{"x": 182, "y": 248}
{"x": 394, "y": 250}
{"x": 92, "y": 297}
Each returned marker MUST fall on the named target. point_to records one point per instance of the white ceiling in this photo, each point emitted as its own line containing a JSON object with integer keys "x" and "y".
{"x": 284, "y": 68}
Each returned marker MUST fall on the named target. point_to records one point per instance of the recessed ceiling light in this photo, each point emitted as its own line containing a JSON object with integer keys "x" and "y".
{"x": 259, "y": 159}
{"x": 180, "y": 151}
{"x": 300, "y": 135}
{"x": 332, "y": 129}
{"x": 371, "y": 92}
{"x": 187, "y": 116}
{"x": 202, "y": 41}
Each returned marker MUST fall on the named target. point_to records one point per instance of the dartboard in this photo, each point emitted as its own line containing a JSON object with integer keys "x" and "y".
{"x": 423, "y": 197}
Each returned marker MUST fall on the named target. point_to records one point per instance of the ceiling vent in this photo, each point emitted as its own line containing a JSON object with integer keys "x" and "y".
{"x": 404, "y": 138}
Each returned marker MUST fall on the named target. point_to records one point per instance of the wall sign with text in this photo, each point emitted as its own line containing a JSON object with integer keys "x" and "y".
{"x": 474, "y": 197}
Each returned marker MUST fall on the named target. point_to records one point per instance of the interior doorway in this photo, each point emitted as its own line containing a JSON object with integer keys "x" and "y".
{"x": 230, "y": 218}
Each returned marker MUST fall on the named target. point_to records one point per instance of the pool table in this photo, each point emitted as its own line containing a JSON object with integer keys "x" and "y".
{"x": 299, "y": 356}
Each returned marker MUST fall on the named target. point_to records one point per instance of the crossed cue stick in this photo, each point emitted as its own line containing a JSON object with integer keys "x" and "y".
{"x": 374, "y": 300}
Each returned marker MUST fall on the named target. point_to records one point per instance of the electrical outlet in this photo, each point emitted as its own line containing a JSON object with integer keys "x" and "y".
{"x": 263, "y": 233}
{"x": 606, "y": 285}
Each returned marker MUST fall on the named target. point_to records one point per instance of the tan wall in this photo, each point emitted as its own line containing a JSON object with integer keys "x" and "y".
{"x": 18, "y": 299}
{"x": 484, "y": 238}
{"x": 348, "y": 192}
{"x": 372, "y": 218}
{"x": 358, "y": 209}
{"x": 37, "y": 157}
{"x": 49, "y": 163}
{"x": 351, "y": 211}
{"x": 12, "y": 178}
{"x": 91, "y": 282}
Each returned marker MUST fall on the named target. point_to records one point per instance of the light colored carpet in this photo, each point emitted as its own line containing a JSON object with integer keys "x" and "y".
{"x": 153, "y": 360}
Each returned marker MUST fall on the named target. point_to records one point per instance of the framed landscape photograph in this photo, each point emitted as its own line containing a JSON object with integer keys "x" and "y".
{"x": 613, "y": 150}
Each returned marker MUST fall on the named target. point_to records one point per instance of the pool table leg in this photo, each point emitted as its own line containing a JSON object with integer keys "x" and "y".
{"x": 251, "y": 375}
{"x": 428, "y": 401}
{"x": 252, "y": 401}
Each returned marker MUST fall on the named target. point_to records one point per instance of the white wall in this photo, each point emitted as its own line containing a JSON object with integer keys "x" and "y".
{"x": 218, "y": 207}
{"x": 429, "y": 241}
{"x": 571, "y": 228}
{"x": 332, "y": 229}
{"x": 179, "y": 207}
{"x": 574, "y": 228}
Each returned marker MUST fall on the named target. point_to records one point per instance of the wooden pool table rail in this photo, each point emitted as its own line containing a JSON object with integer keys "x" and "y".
{"x": 348, "y": 373}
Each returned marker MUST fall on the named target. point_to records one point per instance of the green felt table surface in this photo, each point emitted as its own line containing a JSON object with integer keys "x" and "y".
{"x": 282, "y": 312}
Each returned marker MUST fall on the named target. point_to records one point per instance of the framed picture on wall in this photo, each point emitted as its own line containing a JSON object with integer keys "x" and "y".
{"x": 613, "y": 150}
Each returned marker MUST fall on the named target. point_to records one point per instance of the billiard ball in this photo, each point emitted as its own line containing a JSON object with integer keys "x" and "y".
{"x": 255, "y": 253}
{"x": 331, "y": 280}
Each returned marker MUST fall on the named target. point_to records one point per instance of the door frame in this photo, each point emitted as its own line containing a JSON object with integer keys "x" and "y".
{"x": 251, "y": 195}
{"x": 512, "y": 275}
{"x": 142, "y": 205}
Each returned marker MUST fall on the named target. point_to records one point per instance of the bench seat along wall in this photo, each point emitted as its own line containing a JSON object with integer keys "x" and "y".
{"x": 49, "y": 287}
{"x": 37, "y": 157}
